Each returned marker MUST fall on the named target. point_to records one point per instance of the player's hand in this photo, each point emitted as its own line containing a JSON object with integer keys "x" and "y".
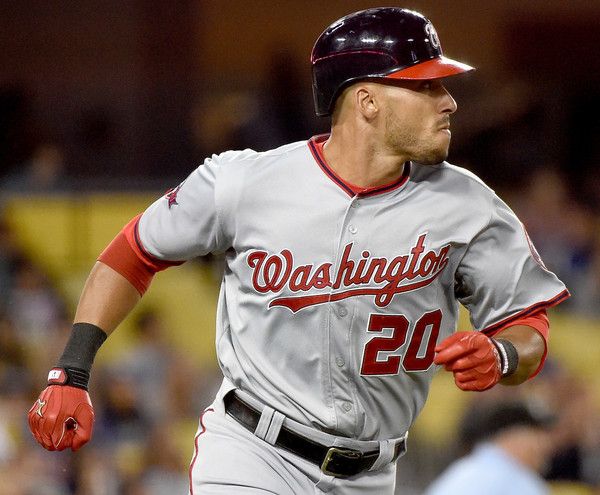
{"x": 472, "y": 357}
{"x": 62, "y": 417}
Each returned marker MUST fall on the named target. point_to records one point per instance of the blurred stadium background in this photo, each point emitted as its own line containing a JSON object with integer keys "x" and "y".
{"x": 104, "y": 105}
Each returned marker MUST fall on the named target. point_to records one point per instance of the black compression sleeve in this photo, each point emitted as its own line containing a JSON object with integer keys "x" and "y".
{"x": 82, "y": 346}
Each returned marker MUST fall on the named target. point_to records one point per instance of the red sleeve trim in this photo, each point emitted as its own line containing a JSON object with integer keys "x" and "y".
{"x": 510, "y": 321}
{"x": 131, "y": 231}
{"x": 537, "y": 320}
{"x": 126, "y": 255}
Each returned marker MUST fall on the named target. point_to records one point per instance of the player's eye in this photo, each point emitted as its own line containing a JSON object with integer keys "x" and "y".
{"x": 432, "y": 86}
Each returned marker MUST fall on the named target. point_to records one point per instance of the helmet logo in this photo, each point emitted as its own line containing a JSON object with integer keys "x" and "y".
{"x": 433, "y": 36}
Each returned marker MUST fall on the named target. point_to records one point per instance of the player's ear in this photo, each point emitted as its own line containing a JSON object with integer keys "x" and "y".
{"x": 367, "y": 100}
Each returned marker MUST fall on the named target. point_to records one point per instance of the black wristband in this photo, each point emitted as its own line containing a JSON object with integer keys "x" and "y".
{"x": 509, "y": 357}
{"x": 82, "y": 346}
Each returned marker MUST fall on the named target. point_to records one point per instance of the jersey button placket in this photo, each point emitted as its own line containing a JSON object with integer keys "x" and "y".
{"x": 343, "y": 394}
{"x": 339, "y": 370}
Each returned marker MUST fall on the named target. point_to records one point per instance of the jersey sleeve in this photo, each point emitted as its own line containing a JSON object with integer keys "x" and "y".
{"x": 184, "y": 223}
{"x": 125, "y": 255}
{"x": 501, "y": 278}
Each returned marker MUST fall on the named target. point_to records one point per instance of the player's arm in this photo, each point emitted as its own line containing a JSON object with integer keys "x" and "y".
{"x": 510, "y": 355}
{"x": 107, "y": 298}
{"x": 63, "y": 415}
{"x": 503, "y": 283}
{"x": 530, "y": 346}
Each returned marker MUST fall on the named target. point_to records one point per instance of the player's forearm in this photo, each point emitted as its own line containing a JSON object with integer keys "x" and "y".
{"x": 106, "y": 299}
{"x": 530, "y": 347}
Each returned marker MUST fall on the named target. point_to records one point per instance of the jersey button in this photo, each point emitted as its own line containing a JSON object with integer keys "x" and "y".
{"x": 352, "y": 229}
{"x": 340, "y": 361}
{"x": 346, "y": 406}
{"x": 343, "y": 312}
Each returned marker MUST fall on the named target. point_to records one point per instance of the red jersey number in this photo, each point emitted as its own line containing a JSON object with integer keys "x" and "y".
{"x": 419, "y": 352}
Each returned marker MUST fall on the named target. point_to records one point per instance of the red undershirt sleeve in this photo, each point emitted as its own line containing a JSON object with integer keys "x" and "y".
{"x": 126, "y": 255}
{"x": 538, "y": 321}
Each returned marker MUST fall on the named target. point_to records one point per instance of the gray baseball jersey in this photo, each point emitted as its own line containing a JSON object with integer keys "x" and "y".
{"x": 333, "y": 300}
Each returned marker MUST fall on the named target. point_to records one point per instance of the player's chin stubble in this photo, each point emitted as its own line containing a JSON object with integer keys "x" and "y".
{"x": 432, "y": 157}
{"x": 425, "y": 151}
{"x": 429, "y": 150}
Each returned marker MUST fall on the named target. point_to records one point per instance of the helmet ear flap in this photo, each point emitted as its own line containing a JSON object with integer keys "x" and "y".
{"x": 332, "y": 75}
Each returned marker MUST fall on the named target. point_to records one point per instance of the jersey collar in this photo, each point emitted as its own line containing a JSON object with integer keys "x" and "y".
{"x": 316, "y": 147}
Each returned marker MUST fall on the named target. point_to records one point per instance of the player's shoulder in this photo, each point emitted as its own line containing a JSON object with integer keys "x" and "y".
{"x": 249, "y": 157}
{"x": 451, "y": 178}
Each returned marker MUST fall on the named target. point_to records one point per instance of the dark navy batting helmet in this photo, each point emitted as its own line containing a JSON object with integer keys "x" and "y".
{"x": 385, "y": 42}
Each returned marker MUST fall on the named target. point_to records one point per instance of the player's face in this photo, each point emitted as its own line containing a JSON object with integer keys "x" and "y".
{"x": 417, "y": 120}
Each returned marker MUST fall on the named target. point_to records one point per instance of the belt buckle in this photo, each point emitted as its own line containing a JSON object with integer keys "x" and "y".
{"x": 335, "y": 454}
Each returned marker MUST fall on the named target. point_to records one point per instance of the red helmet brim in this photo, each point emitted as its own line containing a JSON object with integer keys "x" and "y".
{"x": 432, "y": 69}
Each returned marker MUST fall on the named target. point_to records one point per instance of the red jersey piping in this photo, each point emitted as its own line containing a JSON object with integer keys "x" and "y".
{"x": 316, "y": 147}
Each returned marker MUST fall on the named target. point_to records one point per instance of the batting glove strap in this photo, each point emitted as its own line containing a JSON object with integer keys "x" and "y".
{"x": 72, "y": 377}
{"x": 75, "y": 364}
{"x": 509, "y": 357}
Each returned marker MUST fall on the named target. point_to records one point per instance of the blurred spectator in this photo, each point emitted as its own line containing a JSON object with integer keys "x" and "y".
{"x": 9, "y": 253}
{"x": 279, "y": 111}
{"x": 120, "y": 417}
{"x": 42, "y": 173}
{"x": 34, "y": 308}
{"x": 283, "y": 112}
{"x": 586, "y": 280}
{"x": 165, "y": 465}
{"x": 565, "y": 234}
{"x": 161, "y": 379}
{"x": 577, "y": 432}
{"x": 34, "y": 471}
{"x": 150, "y": 387}
{"x": 509, "y": 444}
{"x": 31, "y": 321}
{"x": 95, "y": 472}
{"x": 15, "y": 375}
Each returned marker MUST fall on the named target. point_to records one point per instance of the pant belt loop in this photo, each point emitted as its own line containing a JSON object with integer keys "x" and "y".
{"x": 386, "y": 454}
{"x": 264, "y": 422}
{"x": 274, "y": 427}
{"x": 269, "y": 425}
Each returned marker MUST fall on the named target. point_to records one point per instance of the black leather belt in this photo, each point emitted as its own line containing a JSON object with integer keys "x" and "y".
{"x": 335, "y": 461}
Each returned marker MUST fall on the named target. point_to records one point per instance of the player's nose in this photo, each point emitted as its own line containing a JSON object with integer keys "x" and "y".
{"x": 447, "y": 103}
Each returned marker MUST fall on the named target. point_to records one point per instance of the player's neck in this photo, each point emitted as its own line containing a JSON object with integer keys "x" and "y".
{"x": 359, "y": 160}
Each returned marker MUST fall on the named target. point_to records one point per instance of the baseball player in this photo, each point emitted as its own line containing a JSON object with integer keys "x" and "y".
{"x": 346, "y": 257}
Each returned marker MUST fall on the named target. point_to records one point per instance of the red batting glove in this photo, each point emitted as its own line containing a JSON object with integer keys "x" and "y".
{"x": 473, "y": 359}
{"x": 62, "y": 417}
